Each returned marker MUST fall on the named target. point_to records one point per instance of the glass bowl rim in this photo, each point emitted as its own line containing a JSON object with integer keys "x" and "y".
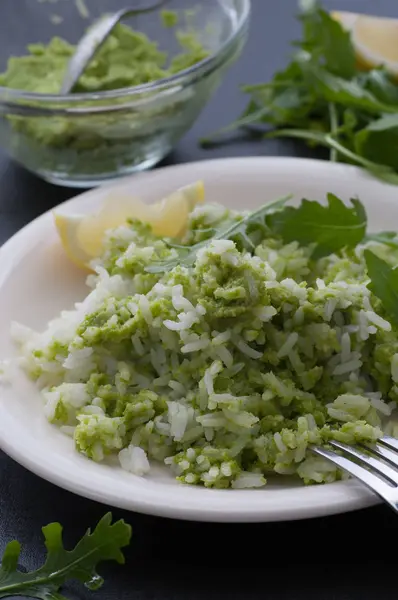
{"x": 11, "y": 96}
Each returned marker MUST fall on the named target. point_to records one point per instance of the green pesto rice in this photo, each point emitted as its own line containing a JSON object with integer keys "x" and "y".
{"x": 226, "y": 370}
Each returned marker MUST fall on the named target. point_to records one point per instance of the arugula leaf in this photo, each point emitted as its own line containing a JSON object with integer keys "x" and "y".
{"x": 380, "y": 84}
{"x": 383, "y": 283}
{"x": 246, "y": 233}
{"x": 326, "y": 99}
{"x": 345, "y": 92}
{"x": 389, "y": 238}
{"x": 380, "y": 171}
{"x": 104, "y": 543}
{"x": 330, "y": 227}
{"x": 334, "y": 126}
{"x": 379, "y": 141}
{"x": 332, "y": 42}
{"x": 284, "y": 101}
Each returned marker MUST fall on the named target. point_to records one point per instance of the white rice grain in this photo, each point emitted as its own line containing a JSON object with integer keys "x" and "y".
{"x": 394, "y": 368}
{"x": 265, "y": 313}
{"x": 288, "y": 345}
{"x": 179, "y": 301}
{"x": 176, "y": 386}
{"x": 178, "y": 419}
{"x": 246, "y": 349}
{"x": 381, "y": 406}
{"x": 347, "y": 367}
{"x": 225, "y": 355}
{"x": 221, "y": 338}
{"x": 345, "y": 347}
{"x": 329, "y": 309}
{"x": 200, "y": 344}
{"x": 248, "y": 480}
{"x": 137, "y": 344}
{"x": 143, "y": 304}
{"x": 377, "y": 320}
{"x": 279, "y": 442}
{"x": 134, "y": 460}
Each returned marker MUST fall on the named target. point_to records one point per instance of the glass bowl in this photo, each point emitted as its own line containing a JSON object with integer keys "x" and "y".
{"x": 82, "y": 140}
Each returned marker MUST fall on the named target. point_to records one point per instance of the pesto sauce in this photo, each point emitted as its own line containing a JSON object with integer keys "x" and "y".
{"x": 101, "y": 143}
{"x": 127, "y": 58}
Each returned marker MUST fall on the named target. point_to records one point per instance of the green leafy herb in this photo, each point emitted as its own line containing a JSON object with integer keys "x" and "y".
{"x": 342, "y": 91}
{"x": 323, "y": 98}
{"x": 379, "y": 141}
{"x": 379, "y": 82}
{"x": 104, "y": 543}
{"x": 333, "y": 44}
{"x": 381, "y": 171}
{"x": 389, "y": 238}
{"x": 383, "y": 282}
{"x": 330, "y": 227}
{"x": 244, "y": 232}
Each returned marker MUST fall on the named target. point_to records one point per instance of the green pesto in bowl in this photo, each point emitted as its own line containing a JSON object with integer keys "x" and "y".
{"x": 127, "y": 58}
{"x": 142, "y": 91}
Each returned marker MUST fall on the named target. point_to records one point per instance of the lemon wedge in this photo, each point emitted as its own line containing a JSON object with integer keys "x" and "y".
{"x": 374, "y": 39}
{"x": 82, "y": 235}
{"x": 67, "y": 226}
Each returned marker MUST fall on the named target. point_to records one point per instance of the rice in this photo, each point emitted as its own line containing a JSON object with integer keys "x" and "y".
{"x": 135, "y": 460}
{"x": 377, "y": 320}
{"x": 345, "y": 347}
{"x": 249, "y": 480}
{"x": 288, "y": 345}
{"x": 329, "y": 308}
{"x": 178, "y": 419}
{"x": 394, "y": 367}
{"x": 347, "y": 367}
{"x": 176, "y": 386}
{"x": 247, "y": 350}
{"x": 195, "y": 346}
{"x": 224, "y": 370}
{"x": 225, "y": 355}
{"x": 221, "y": 338}
{"x": 265, "y": 313}
{"x": 381, "y": 406}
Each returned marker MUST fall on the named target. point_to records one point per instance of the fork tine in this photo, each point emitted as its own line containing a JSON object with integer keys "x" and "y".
{"x": 389, "y": 441}
{"x": 387, "y": 472}
{"x": 384, "y": 453}
{"x": 371, "y": 481}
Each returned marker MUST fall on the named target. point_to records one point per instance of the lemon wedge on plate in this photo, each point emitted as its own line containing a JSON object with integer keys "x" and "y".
{"x": 375, "y": 39}
{"x": 82, "y": 235}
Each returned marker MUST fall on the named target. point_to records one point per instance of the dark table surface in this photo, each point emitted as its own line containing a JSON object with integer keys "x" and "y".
{"x": 344, "y": 557}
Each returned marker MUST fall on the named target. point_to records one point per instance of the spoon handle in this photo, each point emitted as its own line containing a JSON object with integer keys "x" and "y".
{"x": 87, "y": 47}
{"x": 93, "y": 40}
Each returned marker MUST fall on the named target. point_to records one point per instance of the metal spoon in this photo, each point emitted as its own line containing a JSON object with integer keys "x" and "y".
{"x": 93, "y": 40}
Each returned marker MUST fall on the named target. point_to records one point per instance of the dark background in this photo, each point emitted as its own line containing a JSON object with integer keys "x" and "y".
{"x": 347, "y": 557}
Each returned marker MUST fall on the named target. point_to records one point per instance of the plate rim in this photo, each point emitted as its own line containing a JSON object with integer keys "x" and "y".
{"x": 343, "y": 496}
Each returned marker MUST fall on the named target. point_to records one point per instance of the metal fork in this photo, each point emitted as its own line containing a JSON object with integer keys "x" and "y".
{"x": 375, "y": 465}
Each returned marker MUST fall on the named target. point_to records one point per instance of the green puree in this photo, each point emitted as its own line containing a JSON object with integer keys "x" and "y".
{"x": 119, "y": 133}
{"x": 127, "y": 58}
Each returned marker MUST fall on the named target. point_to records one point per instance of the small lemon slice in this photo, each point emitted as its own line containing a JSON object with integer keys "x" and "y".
{"x": 82, "y": 235}
{"x": 67, "y": 226}
{"x": 114, "y": 212}
{"x": 170, "y": 215}
{"x": 375, "y": 39}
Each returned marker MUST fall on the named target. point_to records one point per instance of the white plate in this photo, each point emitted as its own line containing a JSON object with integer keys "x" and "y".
{"x": 37, "y": 281}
